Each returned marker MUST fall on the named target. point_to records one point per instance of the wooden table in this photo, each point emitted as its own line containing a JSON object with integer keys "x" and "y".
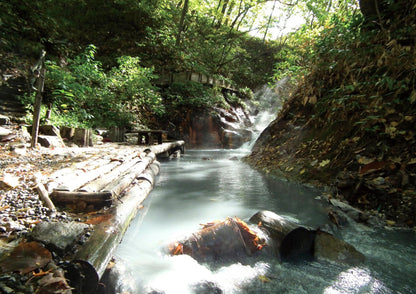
{"x": 146, "y": 137}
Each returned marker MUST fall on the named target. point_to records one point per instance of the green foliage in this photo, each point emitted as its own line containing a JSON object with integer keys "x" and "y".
{"x": 88, "y": 94}
{"x": 192, "y": 95}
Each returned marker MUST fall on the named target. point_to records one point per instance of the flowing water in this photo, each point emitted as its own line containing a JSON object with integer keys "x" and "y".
{"x": 208, "y": 185}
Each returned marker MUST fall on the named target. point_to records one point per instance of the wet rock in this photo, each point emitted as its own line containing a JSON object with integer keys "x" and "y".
{"x": 206, "y": 287}
{"x": 60, "y": 236}
{"x": 329, "y": 248}
{"x": 354, "y": 213}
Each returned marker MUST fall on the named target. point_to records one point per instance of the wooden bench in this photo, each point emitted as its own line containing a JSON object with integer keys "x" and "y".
{"x": 147, "y": 137}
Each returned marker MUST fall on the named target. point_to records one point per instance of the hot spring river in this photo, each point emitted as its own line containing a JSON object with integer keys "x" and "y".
{"x": 204, "y": 186}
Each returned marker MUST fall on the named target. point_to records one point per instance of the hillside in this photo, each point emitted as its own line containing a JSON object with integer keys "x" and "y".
{"x": 350, "y": 125}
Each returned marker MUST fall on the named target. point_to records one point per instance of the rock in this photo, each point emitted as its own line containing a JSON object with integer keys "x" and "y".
{"x": 51, "y": 141}
{"x": 20, "y": 150}
{"x": 4, "y": 132}
{"x": 49, "y": 130}
{"x": 8, "y": 181}
{"x": 354, "y": 213}
{"x": 58, "y": 235}
{"x": 206, "y": 287}
{"x": 329, "y": 248}
{"x": 4, "y": 120}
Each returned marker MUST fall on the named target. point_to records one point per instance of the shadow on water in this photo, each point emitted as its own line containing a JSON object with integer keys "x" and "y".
{"x": 205, "y": 186}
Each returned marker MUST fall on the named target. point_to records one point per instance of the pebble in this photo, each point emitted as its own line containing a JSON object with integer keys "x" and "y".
{"x": 20, "y": 209}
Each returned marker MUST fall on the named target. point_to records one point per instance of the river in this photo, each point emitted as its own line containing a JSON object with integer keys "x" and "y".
{"x": 207, "y": 185}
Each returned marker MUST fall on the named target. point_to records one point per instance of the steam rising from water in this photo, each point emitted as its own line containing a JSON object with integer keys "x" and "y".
{"x": 269, "y": 103}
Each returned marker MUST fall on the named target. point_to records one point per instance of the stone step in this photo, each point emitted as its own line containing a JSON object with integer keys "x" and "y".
{"x": 10, "y": 91}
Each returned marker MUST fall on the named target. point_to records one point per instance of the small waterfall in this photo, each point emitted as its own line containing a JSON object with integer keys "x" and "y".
{"x": 269, "y": 101}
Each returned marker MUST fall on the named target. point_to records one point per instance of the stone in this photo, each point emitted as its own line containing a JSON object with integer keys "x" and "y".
{"x": 51, "y": 141}
{"x": 329, "y": 248}
{"x": 49, "y": 130}
{"x": 58, "y": 235}
{"x": 4, "y": 120}
{"x": 354, "y": 213}
{"x": 4, "y": 132}
{"x": 8, "y": 181}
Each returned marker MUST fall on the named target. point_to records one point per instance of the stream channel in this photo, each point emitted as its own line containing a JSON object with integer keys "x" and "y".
{"x": 207, "y": 185}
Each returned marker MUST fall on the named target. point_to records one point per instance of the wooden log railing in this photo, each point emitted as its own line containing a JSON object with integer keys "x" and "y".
{"x": 98, "y": 250}
{"x": 121, "y": 184}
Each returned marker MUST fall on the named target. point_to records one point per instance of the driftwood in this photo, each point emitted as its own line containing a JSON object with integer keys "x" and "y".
{"x": 44, "y": 196}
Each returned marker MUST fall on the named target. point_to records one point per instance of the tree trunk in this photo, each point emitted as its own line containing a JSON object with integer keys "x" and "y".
{"x": 181, "y": 22}
{"x": 38, "y": 99}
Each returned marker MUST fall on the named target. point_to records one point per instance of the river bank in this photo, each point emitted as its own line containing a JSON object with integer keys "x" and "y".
{"x": 67, "y": 247}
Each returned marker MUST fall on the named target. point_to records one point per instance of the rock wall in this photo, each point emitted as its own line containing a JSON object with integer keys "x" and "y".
{"x": 213, "y": 128}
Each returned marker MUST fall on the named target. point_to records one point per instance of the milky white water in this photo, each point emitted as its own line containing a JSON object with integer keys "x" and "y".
{"x": 208, "y": 185}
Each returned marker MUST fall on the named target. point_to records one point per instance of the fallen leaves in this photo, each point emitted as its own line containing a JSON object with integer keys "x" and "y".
{"x": 26, "y": 257}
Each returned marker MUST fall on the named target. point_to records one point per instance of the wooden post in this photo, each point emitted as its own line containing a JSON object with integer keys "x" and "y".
{"x": 41, "y": 70}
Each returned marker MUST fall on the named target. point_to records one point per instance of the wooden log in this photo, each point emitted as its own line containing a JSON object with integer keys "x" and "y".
{"x": 100, "y": 183}
{"x": 44, "y": 196}
{"x": 290, "y": 240}
{"x": 164, "y": 147}
{"x": 219, "y": 241}
{"x": 118, "y": 186}
{"x": 80, "y": 177}
{"x": 83, "y": 137}
{"x": 150, "y": 173}
{"x": 95, "y": 198}
{"x": 99, "y": 248}
{"x": 93, "y": 169}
